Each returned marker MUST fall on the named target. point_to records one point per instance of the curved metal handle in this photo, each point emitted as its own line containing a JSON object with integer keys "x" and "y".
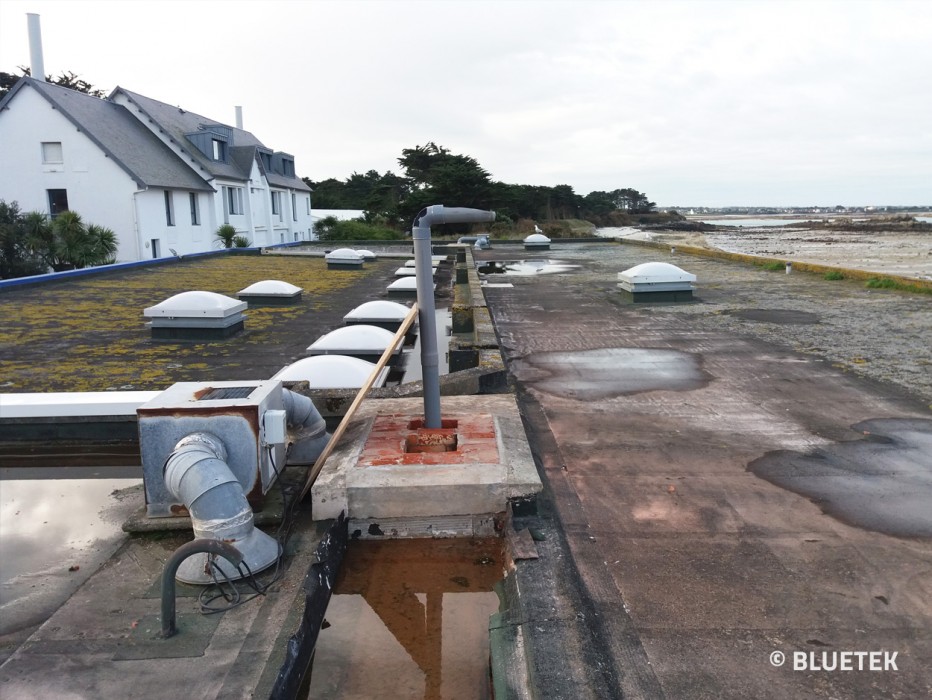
{"x": 199, "y": 546}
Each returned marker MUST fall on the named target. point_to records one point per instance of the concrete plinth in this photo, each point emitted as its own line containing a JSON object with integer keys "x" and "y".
{"x": 388, "y": 491}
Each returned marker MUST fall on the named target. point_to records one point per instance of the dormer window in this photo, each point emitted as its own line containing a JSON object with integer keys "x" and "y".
{"x": 288, "y": 166}
{"x": 266, "y": 161}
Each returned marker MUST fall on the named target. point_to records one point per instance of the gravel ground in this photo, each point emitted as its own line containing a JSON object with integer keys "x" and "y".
{"x": 879, "y": 334}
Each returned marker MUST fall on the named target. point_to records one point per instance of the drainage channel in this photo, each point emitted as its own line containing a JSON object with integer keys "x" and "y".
{"x": 409, "y": 618}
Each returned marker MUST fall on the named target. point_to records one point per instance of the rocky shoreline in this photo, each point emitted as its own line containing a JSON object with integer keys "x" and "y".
{"x": 906, "y": 252}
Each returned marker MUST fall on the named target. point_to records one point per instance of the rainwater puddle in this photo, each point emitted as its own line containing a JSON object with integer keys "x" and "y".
{"x": 410, "y": 619}
{"x": 53, "y": 534}
{"x": 607, "y": 372}
{"x": 882, "y": 482}
{"x": 526, "y": 268}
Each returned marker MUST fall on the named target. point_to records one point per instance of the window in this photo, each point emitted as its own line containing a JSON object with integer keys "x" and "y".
{"x": 51, "y": 152}
{"x": 169, "y": 208}
{"x": 219, "y": 149}
{"x": 234, "y": 199}
{"x": 277, "y": 204}
{"x": 195, "y": 209}
{"x": 294, "y": 206}
{"x": 288, "y": 167}
{"x": 58, "y": 202}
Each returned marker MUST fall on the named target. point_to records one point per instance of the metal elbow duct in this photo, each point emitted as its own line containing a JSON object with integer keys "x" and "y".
{"x": 196, "y": 472}
{"x": 309, "y": 428}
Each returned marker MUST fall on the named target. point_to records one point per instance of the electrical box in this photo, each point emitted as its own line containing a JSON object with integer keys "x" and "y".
{"x": 275, "y": 425}
{"x": 235, "y": 413}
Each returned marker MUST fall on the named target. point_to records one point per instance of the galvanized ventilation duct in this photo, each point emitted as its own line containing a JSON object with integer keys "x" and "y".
{"x": 309, "y": 428}
{"x": 196, "y": 472}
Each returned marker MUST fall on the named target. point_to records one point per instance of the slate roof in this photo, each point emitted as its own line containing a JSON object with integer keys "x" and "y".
{"x": 120, "y": 135}
{"x": 178, "y": 122}
{"x": 294, "y": 183}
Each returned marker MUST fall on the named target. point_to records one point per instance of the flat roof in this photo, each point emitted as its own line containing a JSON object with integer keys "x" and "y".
{"x": 89, "y": 333}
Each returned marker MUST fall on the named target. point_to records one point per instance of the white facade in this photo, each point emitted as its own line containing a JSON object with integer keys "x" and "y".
{"x": 97, "y": 188}
{"x": 127, "y": 163}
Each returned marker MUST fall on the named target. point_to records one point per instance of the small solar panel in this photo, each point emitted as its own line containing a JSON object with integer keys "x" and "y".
{"x": 227, "y": 392}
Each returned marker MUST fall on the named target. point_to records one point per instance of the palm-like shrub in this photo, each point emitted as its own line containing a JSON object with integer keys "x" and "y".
{"x": 225, "y": 235}
{"x": 66, "y": 242}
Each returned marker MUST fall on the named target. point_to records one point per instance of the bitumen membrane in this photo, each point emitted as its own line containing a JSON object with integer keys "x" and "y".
{"x": 694, "y": 564}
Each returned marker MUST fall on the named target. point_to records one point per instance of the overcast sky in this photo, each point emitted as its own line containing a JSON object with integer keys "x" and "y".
{"x": 693, "y": 103}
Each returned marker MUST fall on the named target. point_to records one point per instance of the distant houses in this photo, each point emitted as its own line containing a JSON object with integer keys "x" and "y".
{"x": 162, "y": 178}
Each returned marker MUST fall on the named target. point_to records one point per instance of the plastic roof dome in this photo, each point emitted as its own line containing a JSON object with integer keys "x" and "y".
{"x": 352, "y": 339}
{"x": 271, "y": 288}
{"x": 379, "y": 310}
{"x": 196, "y": 304}
{"x": 366, "y": 254}
{"x": 655, "y": 272}
{"x": 404, "y": 284}
{"x": 537, "y": 238}
{"x": 344, "y": 254}
{"x": 331, "y": 372}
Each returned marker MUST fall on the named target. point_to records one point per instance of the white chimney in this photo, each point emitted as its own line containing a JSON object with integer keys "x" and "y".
{"x": 239, "y": 117}
{"x": 37, "y": 65}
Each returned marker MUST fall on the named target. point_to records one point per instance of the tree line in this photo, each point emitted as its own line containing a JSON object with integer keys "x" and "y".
{"x": 431, "y": 174}
{"x": 66, "y": 79}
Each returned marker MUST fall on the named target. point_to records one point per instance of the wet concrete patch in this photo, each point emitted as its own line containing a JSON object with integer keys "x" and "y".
{"x": 588, "y": 375}
{"x": 784, "y": 316}
{"x": 882, "y": 482}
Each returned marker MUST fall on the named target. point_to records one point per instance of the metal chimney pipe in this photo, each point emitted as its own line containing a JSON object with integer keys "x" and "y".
{"x": 37, "y": 64}
{"x": 239, "y": 117}
{"x": 427, "y": 315}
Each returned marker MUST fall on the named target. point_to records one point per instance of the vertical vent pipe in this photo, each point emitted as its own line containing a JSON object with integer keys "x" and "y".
{"x": 420, "y": 232}
{"x": 36, "y": 59}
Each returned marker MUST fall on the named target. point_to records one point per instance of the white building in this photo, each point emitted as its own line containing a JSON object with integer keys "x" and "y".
{"x": 163, "y": 179}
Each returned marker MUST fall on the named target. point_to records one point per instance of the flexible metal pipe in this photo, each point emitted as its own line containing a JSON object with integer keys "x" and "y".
{"x": 197, "y": 473}
{"x": 310, "y": 429}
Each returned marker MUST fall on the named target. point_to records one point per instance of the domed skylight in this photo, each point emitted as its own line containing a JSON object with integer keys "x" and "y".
{"x": 270, "y": 288}
{"x": 378, "y": 311}
{"x": 343, "y": 255}
{"x": 352, "y": 340}
{"x": 655, "y": 273}
{"x": 404, "y": 284}
{"x": 331, "y": 372}
{"x": 196, "y": 304}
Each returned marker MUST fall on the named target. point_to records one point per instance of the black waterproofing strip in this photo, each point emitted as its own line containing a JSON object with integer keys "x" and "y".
{"x": 318, "y": 585}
